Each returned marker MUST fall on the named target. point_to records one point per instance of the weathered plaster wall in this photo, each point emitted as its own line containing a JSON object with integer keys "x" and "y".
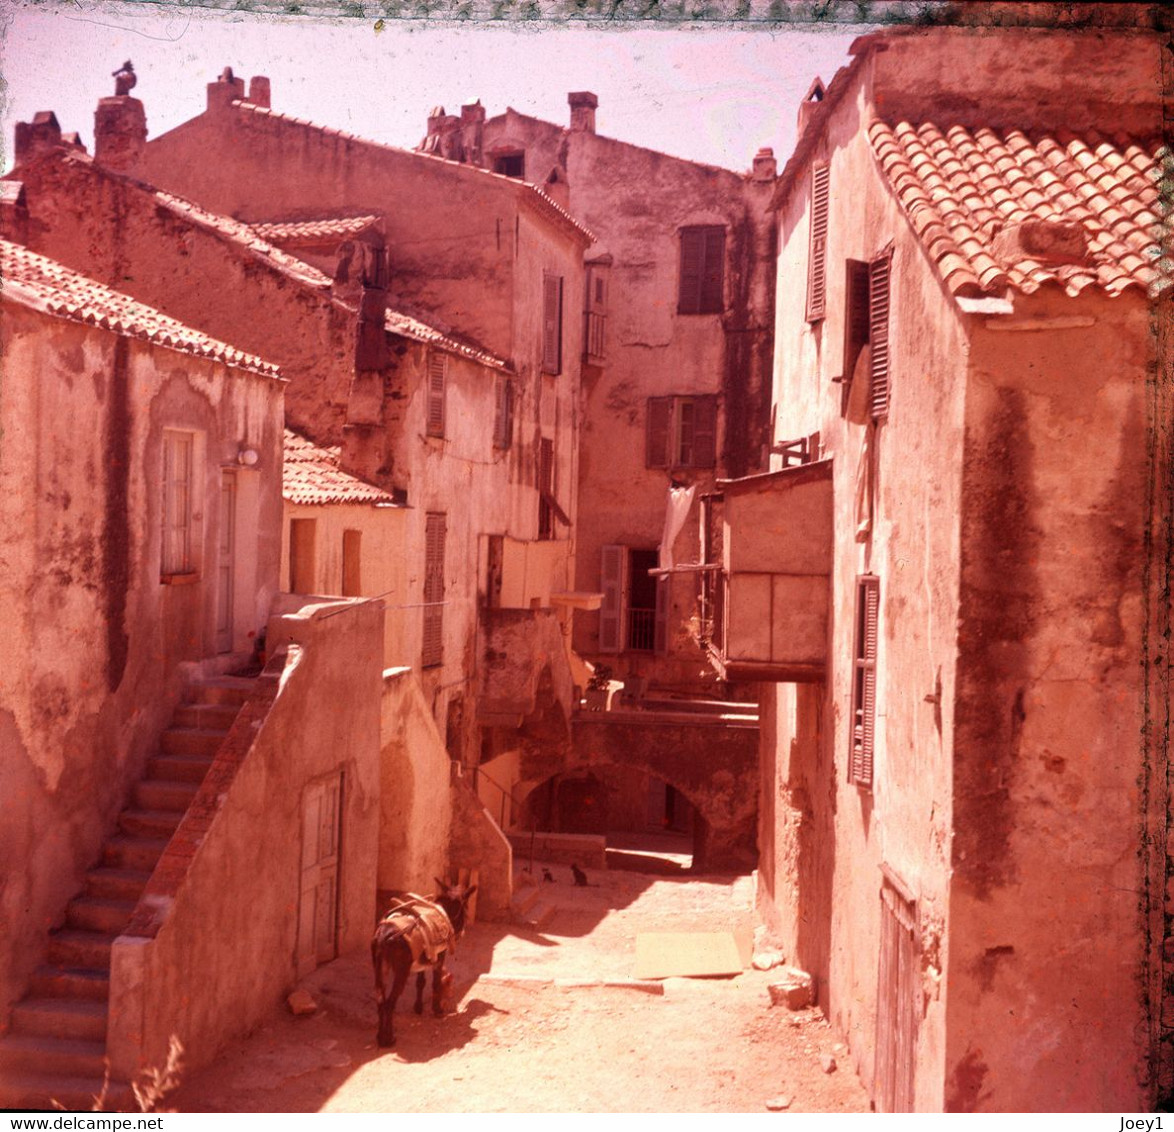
{"x": 830, "y": 838}
{"x": 1047, "y": 921}
{"x": 221, "y": 949}
{"x": 95, "y": 640}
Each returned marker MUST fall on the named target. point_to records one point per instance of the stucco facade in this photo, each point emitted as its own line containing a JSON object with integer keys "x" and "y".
{"x": 957, "y": 826}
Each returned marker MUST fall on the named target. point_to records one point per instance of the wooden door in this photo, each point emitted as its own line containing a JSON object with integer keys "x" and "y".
{"x": 321, "y": 842}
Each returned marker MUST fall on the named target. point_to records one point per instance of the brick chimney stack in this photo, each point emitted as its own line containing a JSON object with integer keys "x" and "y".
{"x": 765, "y": 167}
{"x": 259, "y": 91}
{"x": 225, "y": 91}
{"x": 472, "y": 131}
{"x": 120, "y": 132}
{"x": 41, "y": 134}
{"x": 583, "y": 104}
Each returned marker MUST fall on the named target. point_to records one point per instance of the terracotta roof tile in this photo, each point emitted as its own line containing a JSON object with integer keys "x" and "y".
{"x": 963, "y": 190}
{"x": 44, "y": 284}
{"x": 311, "y": 475}
{"x": 310, "y": 231}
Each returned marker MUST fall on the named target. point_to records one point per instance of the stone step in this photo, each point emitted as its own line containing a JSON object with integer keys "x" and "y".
{"x": 156, "y": 794}
{"x": 524, "y": 899}
{"x": 150, "y": 823}
{"x": 72, "y": 948}
{"x": 67, "y": 1057}
{"x": 222, "y": 690}
{"x": 178, "y": 768}
{"x": 127, "y": 852}
{"x": 76, "y": 1019}
{"x": 190, "y": 741}
{"x": 116, "y": 884}
{"x": 99, "y": 914}
{"x": 70, "y": 982}
{"x": 205, "y": 717}
{"x": 38, "y": 1091}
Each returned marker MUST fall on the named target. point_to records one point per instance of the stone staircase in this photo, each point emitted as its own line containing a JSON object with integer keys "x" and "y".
{"x": 529, "y": 910}
{"x": 55, "y": 1048}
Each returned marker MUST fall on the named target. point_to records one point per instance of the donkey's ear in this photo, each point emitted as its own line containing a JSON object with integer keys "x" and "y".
{"x": 470, "y": 891}
{"x": 440, "y": 884}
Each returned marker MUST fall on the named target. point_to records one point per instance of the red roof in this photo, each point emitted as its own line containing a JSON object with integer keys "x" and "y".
{"x": 311, "y": 475}
{"x": 44, "y": 284}
{"x": 997, "y": 210}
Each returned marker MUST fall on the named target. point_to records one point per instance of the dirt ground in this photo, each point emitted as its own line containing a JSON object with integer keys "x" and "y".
{"x": 525, "y": 1038}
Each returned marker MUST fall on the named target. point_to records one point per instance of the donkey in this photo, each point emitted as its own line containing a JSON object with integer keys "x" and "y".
{"x": 416, "y": 934}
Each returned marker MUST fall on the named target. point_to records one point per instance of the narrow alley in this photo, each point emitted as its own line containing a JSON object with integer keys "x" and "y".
{"x": 535, "y": 1029}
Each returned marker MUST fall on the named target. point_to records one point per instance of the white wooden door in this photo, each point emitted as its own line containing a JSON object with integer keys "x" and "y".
{"x": 226, "y": 563}
{"x": 318, "y": 907}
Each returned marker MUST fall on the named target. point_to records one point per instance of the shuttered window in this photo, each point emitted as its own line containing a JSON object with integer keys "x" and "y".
{"x": 552, "y": 323}
{"x": 432, "y": 650}
{"x": 702, "y": 284}
{"x": 503, "y": 413}
{"x": 817, "y": 253}
{"x": 437, "y": 379}
{"x": 178, "y": 485}
{"x": 612, "y": 567}
{"x": 681, "y": 432}
{"x": 856, "y": 317}
{"x": 879, "y": 273}
{"x": 863, "y": 719}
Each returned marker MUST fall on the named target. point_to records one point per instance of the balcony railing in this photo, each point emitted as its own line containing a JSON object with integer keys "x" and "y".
{"x": 641, "y": 630}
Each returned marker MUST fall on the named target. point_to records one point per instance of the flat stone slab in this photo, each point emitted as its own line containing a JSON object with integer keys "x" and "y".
{"x": 661, "y": 955}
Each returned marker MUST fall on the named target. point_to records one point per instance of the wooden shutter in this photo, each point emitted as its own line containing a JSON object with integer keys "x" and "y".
{"x": 552, "y": 319}
{"x": 432, "y": 650}
{"x": 856, "y": 317}
{"x": 692, "y": 260}
{"x": 878, "y": 333}
{"x": 863, "y": 719}
{"x": 503, "y": 419}
{"x": 660, "y": 626}
{"x": 178, "y": 483}
{"x": 817, "y": 251}
{"x": 612, "y": 561}
{"x": 660, "y": 417}
{"x": 545, "y": 488}
{"x": 437, "y": 375}
{"x": 704, "y": 432}
{"x": 713, "y": 271}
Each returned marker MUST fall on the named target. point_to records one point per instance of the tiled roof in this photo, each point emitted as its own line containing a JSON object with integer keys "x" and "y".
{"x": 312, "y": 231}
{"x": 311, "y": 475}
{"x": 532, "y": 192}
{"x": 45, "y": 285}
{"x": 997, "y": 210}
{"x": 413, "y": 328}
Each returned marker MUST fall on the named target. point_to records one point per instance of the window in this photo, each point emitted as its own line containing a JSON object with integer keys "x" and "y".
{"x": 817, "y": 252}
{"x": 437, "y": 378}
{"x": 352, "y": 556}
{"x": 866, "y": 323}
{"x": 548, "y": 508}
{"x": 510, "y": 164}
{"x": 682, "y": 432}
{"x": 863, "y": 719}
{"x": 303, "y": 535}
{"x": 552, "y": 323}
{"x": 634, "y": 614}
{"x": 503, "y": 413}
{"x": 178, "y": 448}
{"x": 703, "y": 254}
{"x": 432, "y": 651}
{"x": 595, "y": 316}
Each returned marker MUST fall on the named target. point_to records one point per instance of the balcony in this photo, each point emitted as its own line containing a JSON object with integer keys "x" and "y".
{"x": 769, "y": 603}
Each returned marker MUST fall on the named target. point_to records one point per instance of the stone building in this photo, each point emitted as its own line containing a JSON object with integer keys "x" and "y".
{"x": 141, "y": 469}
{"x": 677, "y": 331}
{"x": 948, "y": 579}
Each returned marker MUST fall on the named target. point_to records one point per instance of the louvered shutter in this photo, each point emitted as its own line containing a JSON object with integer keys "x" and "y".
{"x": 660, "y": 415}
{"x": 432, "y": 651}
{"x": 437, "y": 376}
{"x": 704, "y": 432}
{"x": 612, "y": 560}
{"x": 864, "y": 684}
{"x": 878, "y": 334}
{"x": 552, "y": 317}
{"x": 713, "y": 271}
{"x": 660, "y": 625}
{"x": 503, "y": 419}
{"x": 692, "y": 261}
{"x": 817, "y": 252}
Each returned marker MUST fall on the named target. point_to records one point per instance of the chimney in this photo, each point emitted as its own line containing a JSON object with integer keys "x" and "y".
{"x": 259, "y": 91}
{"x": 583, "y": 104}
{"x": 225, "y": 90}
{"x": 120, "y": 132}
{"x": 473, "y": 131}
{"x": 38, "y": 136}
{"x": 765, "y": 168}
{"x": 810, "y": 103}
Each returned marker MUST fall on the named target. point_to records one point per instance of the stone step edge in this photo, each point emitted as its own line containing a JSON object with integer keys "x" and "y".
{"x": 645, "y": 986}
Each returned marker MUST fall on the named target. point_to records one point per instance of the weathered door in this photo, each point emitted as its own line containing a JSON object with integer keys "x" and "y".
{"x": 321, "y": 841}
{"x": 896, "y": 1017}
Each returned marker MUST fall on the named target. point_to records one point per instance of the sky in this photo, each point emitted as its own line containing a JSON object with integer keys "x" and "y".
{"x": 711, "y": 93}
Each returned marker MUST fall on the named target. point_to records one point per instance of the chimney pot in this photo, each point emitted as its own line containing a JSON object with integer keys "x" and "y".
{"x": 41, "y": 134}
{"x": 120, "y": 132}
{"x": 583, "y": 105}
{"x": 764, "y": 168}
